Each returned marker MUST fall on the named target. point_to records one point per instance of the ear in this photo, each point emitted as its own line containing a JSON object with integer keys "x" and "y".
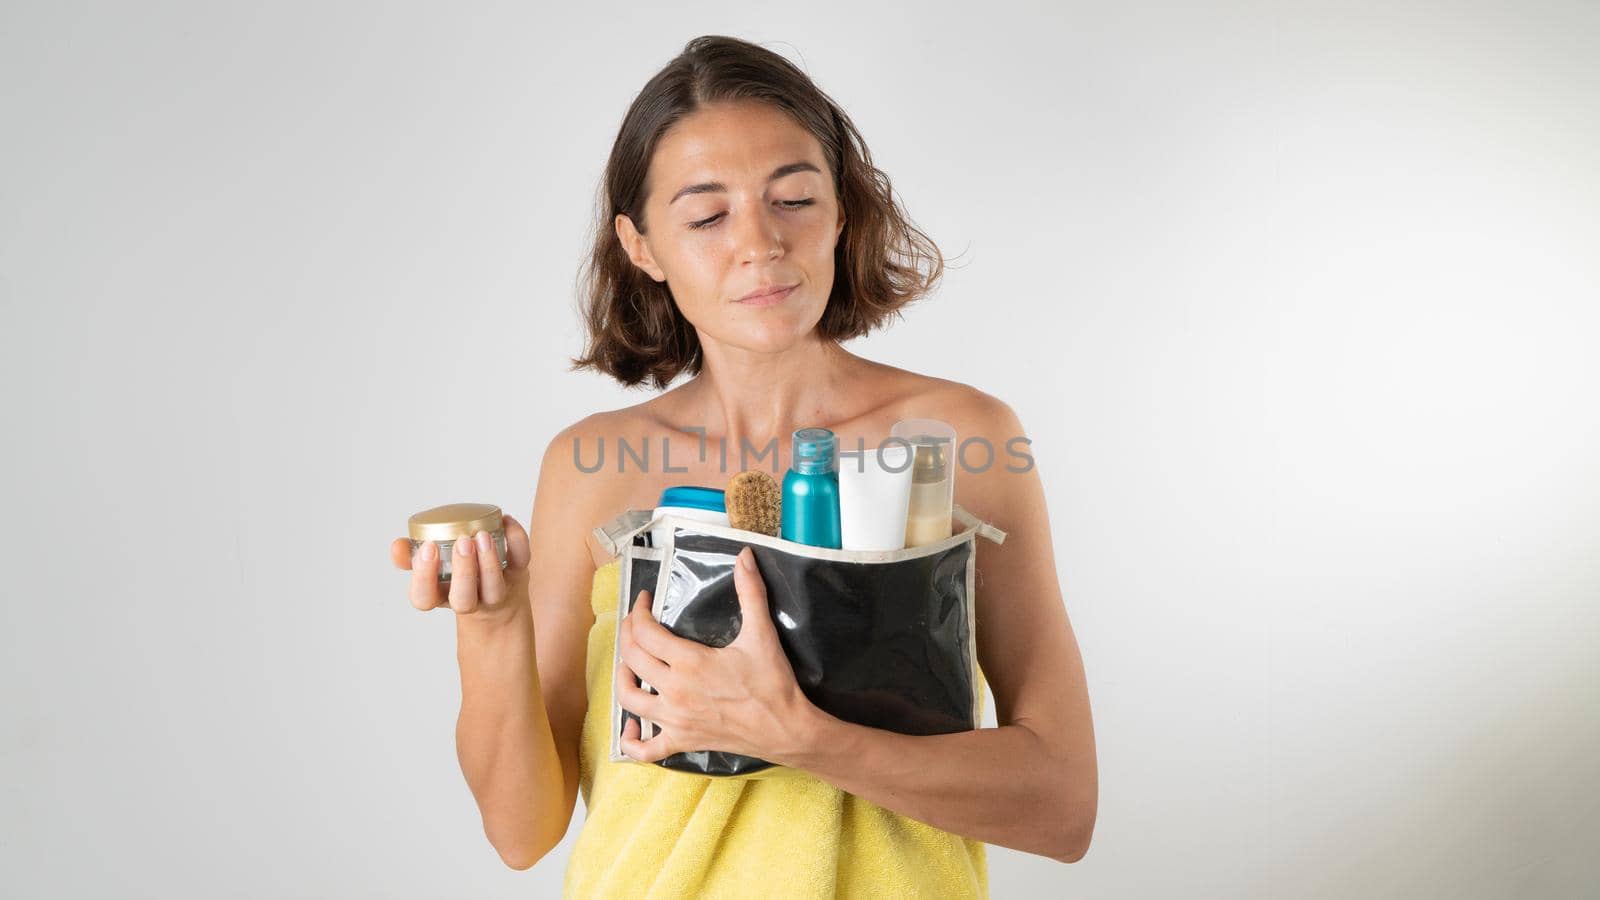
{"x": 638, "y": 250}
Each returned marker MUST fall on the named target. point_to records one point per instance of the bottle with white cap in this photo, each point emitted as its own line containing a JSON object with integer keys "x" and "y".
{"x": 874, "y": 493}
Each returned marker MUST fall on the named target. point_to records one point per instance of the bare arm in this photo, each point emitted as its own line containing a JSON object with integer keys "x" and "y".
{"x": 522, "y": 679}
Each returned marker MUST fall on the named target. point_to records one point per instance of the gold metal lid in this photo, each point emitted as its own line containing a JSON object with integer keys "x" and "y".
{"x": 454, "y": 520}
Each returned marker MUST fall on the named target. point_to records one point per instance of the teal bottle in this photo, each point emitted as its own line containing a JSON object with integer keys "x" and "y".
{"x": 811, "y": 490}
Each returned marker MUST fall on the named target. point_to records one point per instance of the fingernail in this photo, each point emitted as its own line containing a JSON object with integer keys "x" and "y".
{"x": 747, "y": 559}
{"x": 485, "y": 543}
{"x": 427, "y": 551}
{"x": 463, "y": 546}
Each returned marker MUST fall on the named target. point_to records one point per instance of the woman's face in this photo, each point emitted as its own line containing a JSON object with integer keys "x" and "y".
{"x": 721, "y": 225}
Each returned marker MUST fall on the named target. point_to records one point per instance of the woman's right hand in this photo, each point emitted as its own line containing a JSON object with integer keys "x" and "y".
{"x": 478, "y": 587}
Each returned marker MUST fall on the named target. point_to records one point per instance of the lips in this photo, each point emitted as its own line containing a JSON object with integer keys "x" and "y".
{"x": 769, "y": 294}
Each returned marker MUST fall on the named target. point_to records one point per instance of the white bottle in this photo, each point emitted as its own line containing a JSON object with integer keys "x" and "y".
{"x": 874, "y": 494}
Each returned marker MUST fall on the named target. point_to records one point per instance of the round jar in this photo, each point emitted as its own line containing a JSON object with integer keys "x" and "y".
{"x": 444, "y": 525}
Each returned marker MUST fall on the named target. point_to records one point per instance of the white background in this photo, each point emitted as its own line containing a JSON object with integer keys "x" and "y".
{"x": 1296, "y": 301}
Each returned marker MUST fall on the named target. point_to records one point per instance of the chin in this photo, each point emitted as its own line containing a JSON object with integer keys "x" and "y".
{"x": 771, "y": 328}
{"x": 773, "y": 336}
{"x": 769, "y": 342}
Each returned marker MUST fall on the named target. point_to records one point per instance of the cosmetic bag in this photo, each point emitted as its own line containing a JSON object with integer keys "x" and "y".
{"x": 884, "y": 638}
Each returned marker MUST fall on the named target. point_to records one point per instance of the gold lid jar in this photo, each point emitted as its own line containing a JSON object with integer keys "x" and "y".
{"x": 444, "y": 525}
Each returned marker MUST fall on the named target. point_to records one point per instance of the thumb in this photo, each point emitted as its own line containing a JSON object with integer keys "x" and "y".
{"x": 752, "y": 593}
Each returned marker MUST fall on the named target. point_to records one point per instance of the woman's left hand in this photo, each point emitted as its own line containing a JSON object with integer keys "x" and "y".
{"x": 741, "y": 698}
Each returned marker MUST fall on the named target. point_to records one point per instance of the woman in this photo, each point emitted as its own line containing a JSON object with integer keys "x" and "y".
{"x": 744, "y": 235}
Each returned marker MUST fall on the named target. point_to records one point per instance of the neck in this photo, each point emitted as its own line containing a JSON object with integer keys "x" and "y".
{"x": 759, "y": 398}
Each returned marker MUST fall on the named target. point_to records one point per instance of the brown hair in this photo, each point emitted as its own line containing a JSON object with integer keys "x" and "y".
{"x": 635, "y": 331}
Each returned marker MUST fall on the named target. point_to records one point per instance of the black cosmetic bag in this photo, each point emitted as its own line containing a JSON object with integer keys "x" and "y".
{"x": 884, "y": 638}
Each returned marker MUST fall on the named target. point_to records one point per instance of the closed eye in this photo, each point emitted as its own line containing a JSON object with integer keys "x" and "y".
{"x": 790, "y": 204}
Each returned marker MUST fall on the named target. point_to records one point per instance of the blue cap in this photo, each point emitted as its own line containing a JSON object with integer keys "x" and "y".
{"x": 692, "y": 497}
{"x": 813, "y": 451}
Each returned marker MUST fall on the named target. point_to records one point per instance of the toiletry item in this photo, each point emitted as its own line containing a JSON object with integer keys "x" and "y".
{"x": 444, "y": 525}
{"x": 810, "y": 502}
{"x": 874, "y": 495}
{"x": 933, "y": 445}
{"x": 755, "y": 502}
{"x": 690, "y": 502}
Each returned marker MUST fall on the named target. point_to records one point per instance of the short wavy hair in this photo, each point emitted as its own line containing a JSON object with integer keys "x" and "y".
{"x": 636, "y": 332}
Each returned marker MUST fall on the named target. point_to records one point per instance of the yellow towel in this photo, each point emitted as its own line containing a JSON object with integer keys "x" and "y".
{"x": 653, "y": 833}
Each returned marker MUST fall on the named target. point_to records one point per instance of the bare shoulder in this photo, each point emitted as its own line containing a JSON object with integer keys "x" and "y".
{"x": 994, "y": 466}
{"x": 574, "y": 493}
{"x": 971, "y": 411}
{"x": 573, "y": 449}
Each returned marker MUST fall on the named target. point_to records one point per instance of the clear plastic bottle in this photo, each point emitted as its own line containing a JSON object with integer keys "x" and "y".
{"x": 928, "y": 518}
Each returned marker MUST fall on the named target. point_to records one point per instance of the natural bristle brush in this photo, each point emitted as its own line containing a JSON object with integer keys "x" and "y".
{"x": 754, "y": 502}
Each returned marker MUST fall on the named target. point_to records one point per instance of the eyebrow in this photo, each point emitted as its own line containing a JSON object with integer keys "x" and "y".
{"x": 712, "y": 187}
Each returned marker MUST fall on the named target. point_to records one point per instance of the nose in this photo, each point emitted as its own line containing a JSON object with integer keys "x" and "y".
{"x": 759, "y": 236}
